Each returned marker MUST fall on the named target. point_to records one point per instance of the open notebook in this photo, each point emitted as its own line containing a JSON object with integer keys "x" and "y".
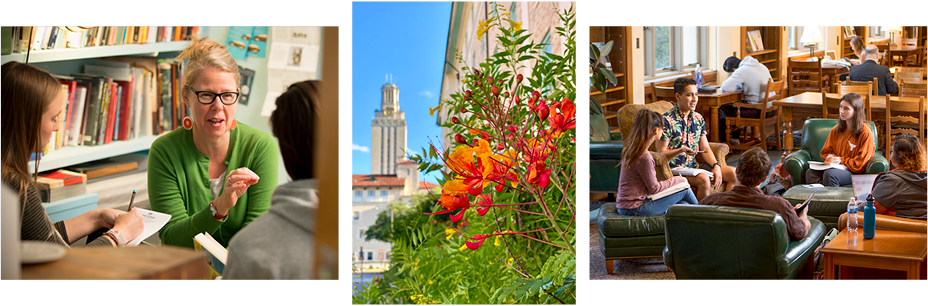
{"x": 670, "y": 190}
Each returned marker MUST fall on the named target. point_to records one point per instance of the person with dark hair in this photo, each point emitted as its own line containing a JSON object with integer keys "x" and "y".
{"x": 638, "y": 177}
{"x": 752, "y": 170}
{"x": 870, "y": 68}
{"x": 291, "y": 218}
{"x": 902, "y": 191}
{"x": 749, "y": 76}
{"x": 32, "y": 100}
{"x": 685, "y": 136}
{"x": 215, "y": 174}
{"x": 850, "y": 143}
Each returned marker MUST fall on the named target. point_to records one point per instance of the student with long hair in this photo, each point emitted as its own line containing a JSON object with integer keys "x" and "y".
{"x": 638, "y": 177}
{"x": 31, "y": 105}
{"x": 902, "y": 191}
{"x": 850, "y": 143}
{"x": 292, "y": 216}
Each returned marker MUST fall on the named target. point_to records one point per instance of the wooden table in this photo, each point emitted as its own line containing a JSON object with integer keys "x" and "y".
{"x": 142, "y": 262}
{"x": 834, "y": 76}
{"x": 905, "y": 51}
{"x": 710, "y": 102}
{"x": 888, "y": 250}
{"x": 809, "y": 104}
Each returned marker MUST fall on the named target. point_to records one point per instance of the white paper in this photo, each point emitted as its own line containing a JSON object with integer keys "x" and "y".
{"x": 814, "y": 165}
{"x": 269, "y": 104}
{"x": 293, "y": 57}
{"x": 153, "y": 222}
{"x": 670, "y": 190}
{"x": 689, "y": 171}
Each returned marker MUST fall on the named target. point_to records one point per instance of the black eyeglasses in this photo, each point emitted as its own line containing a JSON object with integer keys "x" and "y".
{"x": 207, "y": 97}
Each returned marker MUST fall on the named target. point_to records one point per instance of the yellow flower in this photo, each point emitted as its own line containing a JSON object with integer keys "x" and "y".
{"x": 463, "y": 247}
{"x": 433, "y": 109}
{"x": 496, "y": 242}
{"x": 450, "y": 232}
{"x": 484, "y": 27}
{"x": 430, "y": 282}
{"x": 515, "y": 25}
{"x": 414, "y": 297}
{"x": 510, "y": 260}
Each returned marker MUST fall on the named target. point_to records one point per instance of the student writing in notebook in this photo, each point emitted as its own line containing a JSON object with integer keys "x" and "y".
{"x": 279, "y": 244}
{"x": 685, "y": 135}
{"x": 850, "y": 143}
{"x": 31, "y": 108}
{"x": 752, "y": 170}
{"x": 213, "y": 174}
{"x": 638, "y": 177}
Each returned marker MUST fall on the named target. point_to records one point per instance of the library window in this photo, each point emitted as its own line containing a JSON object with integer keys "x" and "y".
{"x": 675, "y": 49}
{"x": 877, "y": 32}
{"x": 794, "y": 35}
{"x": 380, "y": 254}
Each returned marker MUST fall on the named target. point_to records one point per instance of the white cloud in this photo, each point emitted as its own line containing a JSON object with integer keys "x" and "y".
{"x": 357, "y": 147}
{"x": 427, "y": 94}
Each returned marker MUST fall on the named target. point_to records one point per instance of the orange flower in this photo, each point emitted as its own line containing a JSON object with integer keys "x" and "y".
{"x": 566, "y": 119}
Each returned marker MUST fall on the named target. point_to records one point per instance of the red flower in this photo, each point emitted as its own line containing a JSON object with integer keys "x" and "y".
{"x": 566, "y": 119}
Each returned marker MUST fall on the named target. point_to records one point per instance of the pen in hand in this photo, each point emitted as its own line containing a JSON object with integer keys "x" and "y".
{"x": 131, "y": 200}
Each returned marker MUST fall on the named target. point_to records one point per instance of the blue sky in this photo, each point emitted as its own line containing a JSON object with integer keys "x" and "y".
{"x": 407, "y": 40}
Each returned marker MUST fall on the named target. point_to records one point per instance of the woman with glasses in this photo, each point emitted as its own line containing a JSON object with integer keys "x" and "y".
{"x": 214, "y": 175}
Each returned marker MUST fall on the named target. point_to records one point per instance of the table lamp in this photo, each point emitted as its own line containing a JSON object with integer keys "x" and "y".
{"x": 811, "y": 35}
{"x": 892, "y": 29}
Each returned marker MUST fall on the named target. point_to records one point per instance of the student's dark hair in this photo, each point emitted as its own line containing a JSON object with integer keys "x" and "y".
{"x": 858, "y": 44}
{"x": 731, "y": 63}
{"x": 753, "y": 167}
{"x": 908, "y": 153}
{"x": 859, "y": 120}
{"x": 679, "y": 85}
{"x": 27, "y": 94}
{"x": 637, "y": 143}
{"x": 294, "y": 125}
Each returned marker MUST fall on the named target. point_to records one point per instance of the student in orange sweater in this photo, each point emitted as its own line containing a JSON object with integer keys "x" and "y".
{"x": 850, "y": 143}
{"x": 638, "y": 178}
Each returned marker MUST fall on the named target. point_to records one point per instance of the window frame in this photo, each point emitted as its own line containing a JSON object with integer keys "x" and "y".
{"x": 676, "y": 52}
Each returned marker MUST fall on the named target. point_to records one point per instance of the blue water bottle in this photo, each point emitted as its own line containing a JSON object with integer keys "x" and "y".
{"x": 869, "y": 218}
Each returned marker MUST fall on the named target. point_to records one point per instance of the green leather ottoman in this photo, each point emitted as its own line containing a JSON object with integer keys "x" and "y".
{"x": 827, "y": 205}
{"x": 623, "y": 236}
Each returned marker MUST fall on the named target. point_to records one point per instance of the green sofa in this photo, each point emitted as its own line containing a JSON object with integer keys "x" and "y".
{"x": 814, "y": 134}
{"x": 718, "y": 242}
{"x": 622, "y": 237}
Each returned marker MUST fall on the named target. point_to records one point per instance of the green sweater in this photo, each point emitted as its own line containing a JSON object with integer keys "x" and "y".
{"x": 178, "y": 184}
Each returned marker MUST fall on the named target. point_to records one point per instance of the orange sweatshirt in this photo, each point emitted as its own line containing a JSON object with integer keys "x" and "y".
{"x": 854, "y": 152}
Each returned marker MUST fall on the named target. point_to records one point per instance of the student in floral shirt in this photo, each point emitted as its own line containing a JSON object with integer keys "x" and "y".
{"x": 685, "y": 135}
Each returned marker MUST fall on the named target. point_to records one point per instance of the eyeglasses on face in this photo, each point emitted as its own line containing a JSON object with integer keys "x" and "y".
{"x": 207, "y": 97}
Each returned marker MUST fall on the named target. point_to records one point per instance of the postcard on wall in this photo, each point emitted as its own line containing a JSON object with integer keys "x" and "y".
{"x": 247, "y": 77}
{"x": 237, "y": 41}
{"x": 258, "y": 42}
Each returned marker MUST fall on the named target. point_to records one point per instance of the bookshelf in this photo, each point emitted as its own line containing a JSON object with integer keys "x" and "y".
{"x": 770, "y": 56}
{"x": 617, "y": 95}
{"x": 845, "y": 43}
{"x": 66, "y": 61}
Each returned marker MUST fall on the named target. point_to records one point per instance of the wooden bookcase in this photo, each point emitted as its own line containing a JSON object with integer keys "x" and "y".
{"x": 770, "y": 56}
{"x": 620, "y": 94}
{"x": 845, "y": 43}
{"x": 68, "y": 61}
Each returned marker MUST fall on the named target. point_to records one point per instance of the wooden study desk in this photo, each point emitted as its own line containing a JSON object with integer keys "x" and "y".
{"x": 710, "y": 102}
{"x": 809, "y": 104}
{"x": 888, "y": 250}
{"x": 834, "y": 76}
{"x": 141, "y": 262}
{"x": 905, "y": 51}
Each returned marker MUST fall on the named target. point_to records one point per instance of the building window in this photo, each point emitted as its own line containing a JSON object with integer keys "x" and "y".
{"x": 383, "y": 193}
{"x": 512, "y": 12}
{"x": 356, "y": 215}
{"x": 361, "y": 234}
{"x": 380, "y": 255}
{"x": 388, "y": 255}
{"x": 408, "y": 173}
{"x": 794, "y": 34}
{"x": 370, "y": 193}
{"x": 674, "y": 49}
{"x": 877, "y": 32}
{"x": 370, "y": 255}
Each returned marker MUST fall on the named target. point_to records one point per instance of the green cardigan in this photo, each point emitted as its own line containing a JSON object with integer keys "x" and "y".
{"x": 178, "y": 183}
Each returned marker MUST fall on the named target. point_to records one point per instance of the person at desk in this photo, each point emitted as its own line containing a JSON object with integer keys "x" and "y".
{"x": 857, "y": 45}
{"x": 213, "y": 175}
{"x": 749, "y": 76}
{"x": 850, "y": 143}
{"x": 752, "y": 170}
{"x": 866, "y": 71}
{"x": 901, "y": 192}
{"x": 292, "y": 216}
{"x": 685, "y": 136}
{"x": 32, "y": 100}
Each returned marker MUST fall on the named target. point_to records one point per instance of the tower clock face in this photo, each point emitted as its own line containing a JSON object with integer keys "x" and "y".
{"x": 388, "y": 112}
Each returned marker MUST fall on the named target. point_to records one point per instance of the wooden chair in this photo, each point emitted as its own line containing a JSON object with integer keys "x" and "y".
{"x": 872, "y": 84}
{"x": 909, "y": 72}
{"x": 884, "y": 52}
{"x": 913, "y": 84}
{"x": 914, "y": 59}
{"x": 660, "y": 93}
{"x": 759, "y": 124}
{"x": 913, "y": 113}
{"x": 806, "y": 76}
{"x": 863, "y": 90}
{"x": 912, "y": 92}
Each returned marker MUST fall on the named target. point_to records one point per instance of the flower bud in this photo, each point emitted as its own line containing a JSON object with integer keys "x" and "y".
{"x": 477, "y": 72}
{"x": 494, "y": 90}
{"x": 500, "y": 146}
{"x": 519, "y": 78}
{"x": 455, "y": 120}
{"x": 490, "y": 80}
{"x": 506, "y": 94}
{"x": 535, "y": 95}
{"x": 511, "y": 137}
{"x": 468, "y": 94}
{"x": 477, "y": 83}
{"x": 542, "y": 111}
{"x": 512, "y": 128}
{"x": 516, "y": 100}
{"x": 460, "y": 139}
{"x": 500, "y": 82}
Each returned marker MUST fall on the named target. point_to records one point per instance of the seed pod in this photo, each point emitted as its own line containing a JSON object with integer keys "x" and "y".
{"x": 455, "y": 120}
{"x": 519, "y": 78}
{"x": 489, "y": 79}
{"x": 460, "y": 139}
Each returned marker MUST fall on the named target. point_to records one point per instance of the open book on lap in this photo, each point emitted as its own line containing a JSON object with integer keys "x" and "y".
{"x": 215, "y": 253}
{"x": 670, "y": 190}
{"x": 814, "y": 165}
{"x": 689, "y": 171}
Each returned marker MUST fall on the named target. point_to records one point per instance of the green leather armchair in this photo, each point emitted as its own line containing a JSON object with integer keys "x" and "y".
{"x": 719, "y": 242}
{"x": 814, "y": 134}
{"x": 605, "y": 154}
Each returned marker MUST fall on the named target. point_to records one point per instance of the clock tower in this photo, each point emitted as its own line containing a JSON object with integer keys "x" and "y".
{"x": 388, "y": 132}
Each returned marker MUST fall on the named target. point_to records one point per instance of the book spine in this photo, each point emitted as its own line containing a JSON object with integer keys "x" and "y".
{"x": 78, "y": 117}
{"x": 164, "y": 71}
{"x": 92, "y": 113}
{"x": 112, "y": 103}
{"x": 117, "y": 114}
{"x": 125, "y": 110}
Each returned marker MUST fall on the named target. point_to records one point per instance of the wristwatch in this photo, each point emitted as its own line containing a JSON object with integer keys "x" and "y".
{"x": 216, "y": 214}
{"x": 117, "y": 238}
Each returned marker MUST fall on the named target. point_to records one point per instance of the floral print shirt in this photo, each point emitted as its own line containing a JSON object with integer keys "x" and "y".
{"x": 680, "y": 131}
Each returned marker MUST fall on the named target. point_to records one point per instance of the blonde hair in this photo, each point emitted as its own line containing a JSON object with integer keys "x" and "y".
{"x": 204, "y": 53}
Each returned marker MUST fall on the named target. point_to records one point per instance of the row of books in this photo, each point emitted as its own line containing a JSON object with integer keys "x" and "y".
{"x": 22, "y": 39}
{"x": 120, "y": 98}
